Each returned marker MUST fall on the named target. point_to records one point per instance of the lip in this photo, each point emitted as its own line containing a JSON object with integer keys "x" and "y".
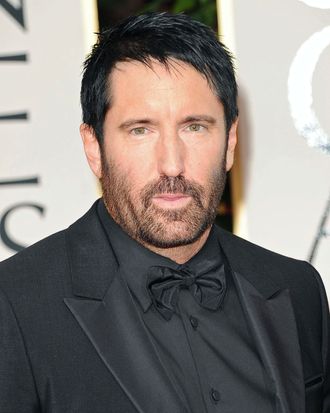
{"x": 171, "y": 197}
{"x": 171, "y": 200}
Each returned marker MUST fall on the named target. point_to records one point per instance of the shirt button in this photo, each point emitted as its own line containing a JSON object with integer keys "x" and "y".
{"x": 193, "y": 322}
{"x": 215, "y": 395}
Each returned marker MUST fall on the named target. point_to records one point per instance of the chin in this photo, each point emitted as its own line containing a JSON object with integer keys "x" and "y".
{"x": 166, "y": 237}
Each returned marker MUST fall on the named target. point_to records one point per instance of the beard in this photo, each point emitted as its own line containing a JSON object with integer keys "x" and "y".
{"x": 160, "y": 227}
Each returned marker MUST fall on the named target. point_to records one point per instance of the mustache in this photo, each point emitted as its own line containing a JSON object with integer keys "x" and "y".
{"x": 172, "y": 185}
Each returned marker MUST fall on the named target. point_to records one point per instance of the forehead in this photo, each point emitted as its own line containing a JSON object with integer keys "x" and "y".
{"x": 154, "y": 81}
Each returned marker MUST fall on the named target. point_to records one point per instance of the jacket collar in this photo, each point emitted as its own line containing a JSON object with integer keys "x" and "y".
{"x": 92, "y": 262}
{"x": 243, "y": 259}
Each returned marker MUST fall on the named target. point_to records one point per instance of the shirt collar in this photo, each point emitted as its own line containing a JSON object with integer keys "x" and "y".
{"x": 134, "y": 259}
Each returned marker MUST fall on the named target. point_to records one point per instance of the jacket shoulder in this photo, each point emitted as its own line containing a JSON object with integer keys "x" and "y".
{"x": 42, "y": 260}
{"x": 265, "y": 268}
{"x": 27, "y": 266}
{"x": 247, "y": 257}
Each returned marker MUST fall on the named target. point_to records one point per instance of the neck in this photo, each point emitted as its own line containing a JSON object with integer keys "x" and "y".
{"x": 182, "y": 253}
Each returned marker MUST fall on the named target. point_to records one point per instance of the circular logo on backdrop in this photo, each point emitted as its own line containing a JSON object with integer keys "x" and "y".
{"x": 300, "y": 90}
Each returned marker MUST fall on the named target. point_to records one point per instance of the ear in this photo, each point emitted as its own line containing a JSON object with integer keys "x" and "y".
{"x": 232, "y": 141}
{"x": 92, "y": 149}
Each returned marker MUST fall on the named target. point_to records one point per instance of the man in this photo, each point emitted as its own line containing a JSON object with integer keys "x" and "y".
{"x": 143, "y": 305}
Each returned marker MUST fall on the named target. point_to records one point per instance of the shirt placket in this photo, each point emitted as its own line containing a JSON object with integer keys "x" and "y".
{"x": 189, "y": 310}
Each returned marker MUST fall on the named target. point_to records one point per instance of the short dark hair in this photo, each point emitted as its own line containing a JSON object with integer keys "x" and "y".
{"x": 158, "y": 36}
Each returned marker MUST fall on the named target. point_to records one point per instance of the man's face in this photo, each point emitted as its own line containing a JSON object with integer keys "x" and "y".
{"x": 163, "y": 161}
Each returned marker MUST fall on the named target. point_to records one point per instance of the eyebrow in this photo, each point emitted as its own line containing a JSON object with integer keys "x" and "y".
{"x": 130, "y": 122}
{"x": 200, "y": 118}
{"x": 146, "y": 121}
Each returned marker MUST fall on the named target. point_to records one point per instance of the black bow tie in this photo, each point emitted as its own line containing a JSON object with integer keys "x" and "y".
{"x": 164, "y": 284}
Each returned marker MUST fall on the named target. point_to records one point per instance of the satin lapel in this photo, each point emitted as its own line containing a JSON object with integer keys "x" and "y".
{"x": 273, "y": 325}
{"x": 121, "y": 340}
{"x": 104, "y": 309}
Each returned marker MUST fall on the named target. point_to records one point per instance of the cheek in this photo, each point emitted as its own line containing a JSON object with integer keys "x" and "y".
{"x": 203, "y": 164}
{"x": 135, "y": 173}
{"x": 135, "y": 160}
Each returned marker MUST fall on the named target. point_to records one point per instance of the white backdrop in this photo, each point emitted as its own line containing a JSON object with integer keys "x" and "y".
{"x": 42, "y": 47}
{"x": 283, "y": 180}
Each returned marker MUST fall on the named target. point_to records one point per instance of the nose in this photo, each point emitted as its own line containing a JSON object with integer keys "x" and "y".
{"x": 170, "y": 155}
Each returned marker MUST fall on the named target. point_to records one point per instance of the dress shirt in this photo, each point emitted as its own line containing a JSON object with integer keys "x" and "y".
{"x": 210, "y": 356}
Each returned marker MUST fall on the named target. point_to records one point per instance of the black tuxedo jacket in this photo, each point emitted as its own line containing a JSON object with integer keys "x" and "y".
{"x": 71, "y": 340}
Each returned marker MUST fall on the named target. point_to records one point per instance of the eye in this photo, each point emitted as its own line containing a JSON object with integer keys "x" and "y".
{"x": 196, "y": 127}
{"x": 139, "y": 131}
